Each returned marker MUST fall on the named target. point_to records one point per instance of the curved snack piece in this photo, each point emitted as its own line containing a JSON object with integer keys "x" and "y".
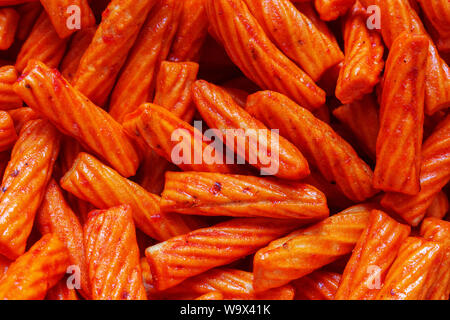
{"x": 30, "y": 169}
{"x": 439, "y": 230}
{"x": 414, "y": 270}
{"x": 113, "y": 255}
{"x": 215, "y": 194}
{"x": 101, "y": 63}
{"x": 136, "y": 82}
{"x": 399, "y": 140}
{"x": 9, "y": 20}
{"x": 263, "y": 149}
{"x": 371, "y": 258}
{"x": 307, "y": 250}
{"x": 8, "y": 98}
{"x": 56, "y": 217}
{"x": 174, "y": 139}
{"x": 319, "y": 285}
{"x": 434, "y": 175}
{"x": 47, "y": 92}
{"x": 257, "y": 57}
{"x": 42, "y": 44}
{"x": 182, "y": 257}
{"x": 325, "y": 149}
{"x": 61, "y": 14}
{"x": 314, "y": 49}
{"x": 363, "y": 61}
{"x": 92, "y": 181}
{"x": 8, "y": 135}
{"x": 191, "y": 33}
{"x": 36, "y": 271}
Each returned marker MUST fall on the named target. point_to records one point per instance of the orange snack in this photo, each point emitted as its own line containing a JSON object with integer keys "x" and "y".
{"x": 173, "y": 88}
{"x": 374, "y": 253}
{"x": 434, "y": 175}
{"x": 42, "y": 44}
{"x": 154, "y": 126}
{"x": 233, "y": 284}
{"x": 319, "y": 285}
{"x": 439, "y": 230}
{"x": 47, "y": 92}
{"x": 9, "y": 19}
{"x": 8, "y": 98}
{"x": 61, "y": 14}
{"x": 413, "y": 272}
{"x": 307, "y": 250}
{"x": 211, "y": 296}
{"x": 36, "y": 271}
{"x": 78, "y": 46}
{"x": 258, "y": 58}
{"x": 314, "y": 48}
{"x": 21, "y": 116}
{"x": 61, "y": 292}
{"x": 363, "y": 58}
{"x": 101, "y": 63}
{"x": 215, "y": 194}
{"x": 136, "y": 83}
{"x": 361, "y": 118}
{"x": 333, "y": 156}
{"x": 439, "y": 207}
{"x": 8, "y": 135}
{"x": 399, "y": 141}
{"x": 24, "y": 183}
{"x": 29, "y": 12}
{"x": 92, "y": 181}
{"x": 113, "y": 255}
{"x": 438, "y": 13}
{"x": 191, "y": 33}
{"x": 55, "y": 216}
{"x": 332, "y": 9}
{"x": 182, "y": 257}
{"x": 219, "y": 111}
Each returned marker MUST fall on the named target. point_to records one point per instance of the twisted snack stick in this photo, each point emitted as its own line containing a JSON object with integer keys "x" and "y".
{"x": 21, "y": 116}
{"x": 103, "y": 59}
{"x": 8, "y": 135}
{"x": 9, "y": 20}
{"x": 332, "y": 9}
{"x": 434, "y": 175}
{"x": 8, "y": 98}
{"x": 333, "y": 156}
{"x": 42, "y": 44}
{"x": 36, "y": 271}
{"x": 314, "y": 49}
{"x": 241, "y": 196}
{"x": 159, "y": 129}
{"x": 219, "y": 110}
{"x": 47, "y": 92}
{"x": 319, "y": 285}
{"x": 182, "y": 257}
{"x": 29, "y": 12}
{"x": 55, "y": 216}
{"x": 191, "y": 33}
{"x": 306, "y": 250}
{"x": 439, "y": 230}
{"x": 363, "y": 62}
{"x": 258, "y": 58}
{"x": 438, "y": 13}
{"x": 24, "y": 183}
{"x": 399, "y": 140}
{"x": 92, "y": 181}
{"x": 413, "y": 272}
{"x": 374, "y": 253}
{"x": 136, "y": 82}
{"x": 113, "y": 255}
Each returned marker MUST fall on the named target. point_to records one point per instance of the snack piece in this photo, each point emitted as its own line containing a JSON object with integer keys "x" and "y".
{"x": 332, "y": 9}
{"x": 113, "y": 255}
{"x": 8, "y": 135}
{"x": 319, "y": 285}
{"x": 9, "y": 20}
